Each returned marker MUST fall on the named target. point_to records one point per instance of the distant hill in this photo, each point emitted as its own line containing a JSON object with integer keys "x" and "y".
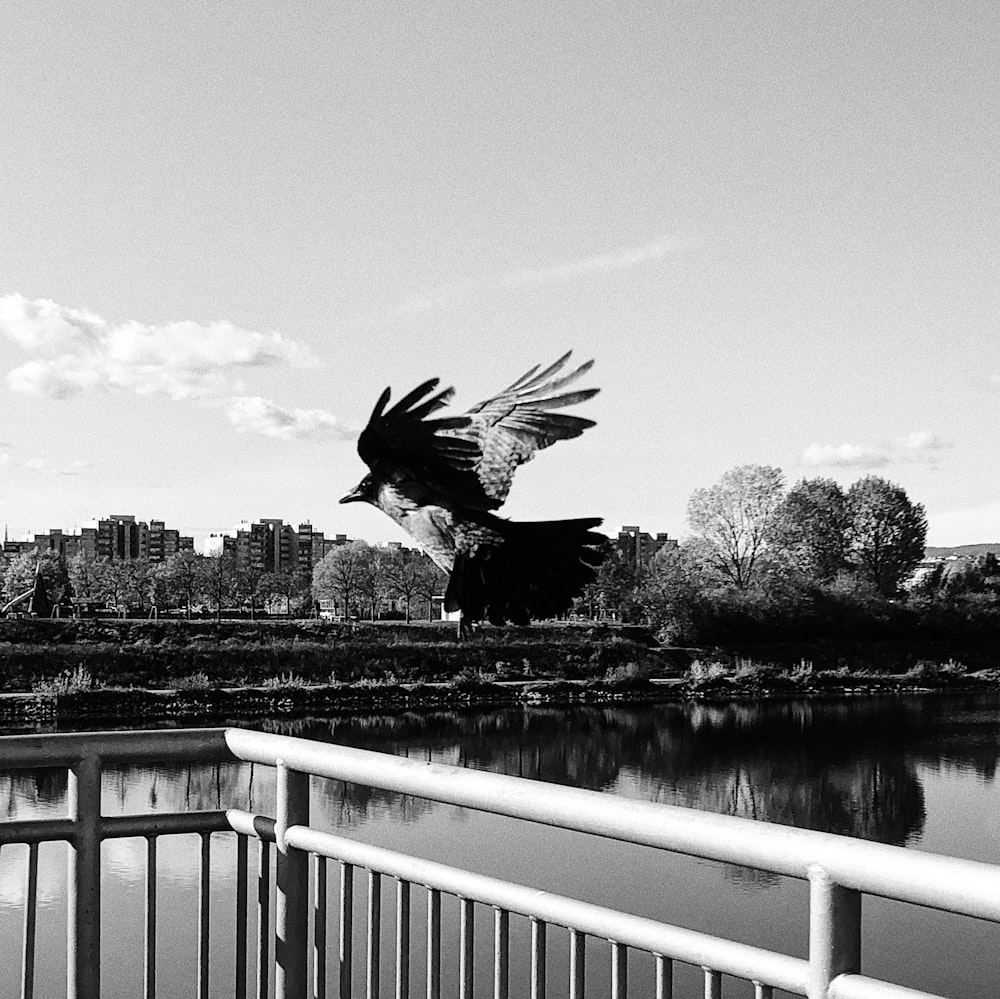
{"x": 969, "y": 551}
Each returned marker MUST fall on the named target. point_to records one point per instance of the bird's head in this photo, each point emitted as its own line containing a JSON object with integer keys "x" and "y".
{"x": 363, "y": 492}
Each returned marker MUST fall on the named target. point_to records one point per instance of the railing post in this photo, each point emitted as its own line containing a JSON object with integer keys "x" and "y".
{"x": 83, "y": 888}
{"x": 834, "y": 931}
{"x": 291, "y": 936}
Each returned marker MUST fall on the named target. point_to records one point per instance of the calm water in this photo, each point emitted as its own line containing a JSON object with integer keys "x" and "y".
{"x": 918, "y": 772}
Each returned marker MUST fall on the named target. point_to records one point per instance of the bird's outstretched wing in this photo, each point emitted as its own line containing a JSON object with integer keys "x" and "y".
{"x": 511, "y": 426}
{"x": 431, "y": 450}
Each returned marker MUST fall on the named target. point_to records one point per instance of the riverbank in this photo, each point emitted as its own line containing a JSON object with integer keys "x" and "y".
{"x": 108, "y": 670}
{"x": 69, "y": 703}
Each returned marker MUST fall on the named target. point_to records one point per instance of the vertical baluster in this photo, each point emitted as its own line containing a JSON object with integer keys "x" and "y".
{"x": 433, "y": 944}
{"x": 291, "y": 909}
{"x": 263, "y": 918}
{"x": 374, "y": 934}
{"x": 346, "y": 951}
{"x": 242, "y": 916}
{"x": 537, "y": 959}
{"x": 319, "y": 930}
{"x": 762, "y": 991}
{"x": 403, "y": 940}
{"x": 664, "y": 977}
{"x": 713, "y": 984}
{"x": 83, "y": 889}
{"x": 619, "y": 971}
{"x": 501, "y": 952}
{"x": 577, "y": 964}
{"x": 149, "y": 958}
{"x": 466, "y": 955}
{"x": 204, "y": 912}
{"x": 30, "y": 911}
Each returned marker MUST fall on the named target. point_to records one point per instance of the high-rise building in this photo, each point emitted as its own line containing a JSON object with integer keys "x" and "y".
{"x": 638, "y": 547}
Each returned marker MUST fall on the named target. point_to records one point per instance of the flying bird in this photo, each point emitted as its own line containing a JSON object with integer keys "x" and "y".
{"x": 441, "y": 477}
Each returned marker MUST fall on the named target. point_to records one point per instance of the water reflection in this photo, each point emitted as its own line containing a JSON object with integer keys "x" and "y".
{"x": 846, "y": 766}
{"x": 897, "y": 770}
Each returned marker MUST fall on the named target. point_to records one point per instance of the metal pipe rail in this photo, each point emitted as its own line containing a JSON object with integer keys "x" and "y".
{"x": 839, "y": 871}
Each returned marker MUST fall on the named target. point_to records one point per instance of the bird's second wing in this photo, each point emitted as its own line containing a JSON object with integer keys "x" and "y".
{"x": 438, "y": 452}
{"x": 515, "y": 423}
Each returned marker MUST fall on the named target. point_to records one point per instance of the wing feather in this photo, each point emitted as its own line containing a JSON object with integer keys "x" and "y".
{"x": 515, "y": 423}
{"x": 439, "y": 452}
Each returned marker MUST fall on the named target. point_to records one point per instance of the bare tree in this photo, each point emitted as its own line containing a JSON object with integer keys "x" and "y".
{"x": 339, "y": 576}
{"x": 735, "y": 520}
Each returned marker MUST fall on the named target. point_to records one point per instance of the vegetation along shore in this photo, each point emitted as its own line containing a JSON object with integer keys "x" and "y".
{"x": 112, "y": 671}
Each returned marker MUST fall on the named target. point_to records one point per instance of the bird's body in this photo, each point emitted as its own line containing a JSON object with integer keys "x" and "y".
{"x": 440, "y": 479}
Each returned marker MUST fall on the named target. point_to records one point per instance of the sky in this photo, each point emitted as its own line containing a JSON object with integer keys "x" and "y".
{"x": 226, "y": 227}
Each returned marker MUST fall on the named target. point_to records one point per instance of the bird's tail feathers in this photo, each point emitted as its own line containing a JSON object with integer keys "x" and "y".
{"x": 536, "y": 570}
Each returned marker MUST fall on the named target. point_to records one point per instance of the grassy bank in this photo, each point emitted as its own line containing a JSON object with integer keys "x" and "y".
{"x": 111, "y": 669}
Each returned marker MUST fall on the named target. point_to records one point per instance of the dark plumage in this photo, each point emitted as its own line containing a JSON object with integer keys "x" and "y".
{"x": 441, "y": 478}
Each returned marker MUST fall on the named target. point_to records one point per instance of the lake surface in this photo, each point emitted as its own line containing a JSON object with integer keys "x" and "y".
{"x": 912, "y": 771}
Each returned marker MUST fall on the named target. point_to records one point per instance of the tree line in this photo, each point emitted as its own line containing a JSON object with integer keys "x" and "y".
{"x": 764, "y": 561}
{"x": 356, "y": 580}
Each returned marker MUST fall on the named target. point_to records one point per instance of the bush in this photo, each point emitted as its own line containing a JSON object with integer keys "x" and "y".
{"x": 74, "y": 681}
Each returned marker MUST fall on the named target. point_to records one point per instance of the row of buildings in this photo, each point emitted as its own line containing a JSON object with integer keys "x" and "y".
{"x": 270, "y": 543}
{"x": 120, "y": 536}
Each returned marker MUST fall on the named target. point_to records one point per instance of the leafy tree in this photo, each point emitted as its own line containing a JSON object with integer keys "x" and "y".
{"x": 674, "y": 594}
{"x": 339, "y": 576}
{"x": 886, "y": 533}
{"x": 115, "y": 583}
{"x": 249, "y": 582}
{"x": 218, "y": 580}
{"x": 82, "y": 579}
{"x": 19, "y": 575}
{"x": 183, "y": 577}
{"x": 812, "y": 528}
{"x": 736, "y": 521}
{"x": 615, "y": 588}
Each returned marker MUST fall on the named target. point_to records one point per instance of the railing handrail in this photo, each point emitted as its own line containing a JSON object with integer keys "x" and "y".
{"x": 839, "y": 869}
{"x": 968, "y": 887}
{"x": 952, "y": 884}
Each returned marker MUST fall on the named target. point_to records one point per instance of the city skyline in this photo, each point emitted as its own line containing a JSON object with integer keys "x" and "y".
{"x": 227, "y": 230}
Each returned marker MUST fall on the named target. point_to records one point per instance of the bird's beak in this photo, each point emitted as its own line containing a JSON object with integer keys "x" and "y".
{"x": 356, "y": 495}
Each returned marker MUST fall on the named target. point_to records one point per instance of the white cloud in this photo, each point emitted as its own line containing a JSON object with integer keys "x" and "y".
{"x": 923, "y": 440}
{"x": 74, "y": 351}
{"x": 35, "y": 464}
{"x": 619, "y": 260}
{"x": 4, "y": 457}
{"x": 844, "y": 456}
{"x": 262, "y": 416}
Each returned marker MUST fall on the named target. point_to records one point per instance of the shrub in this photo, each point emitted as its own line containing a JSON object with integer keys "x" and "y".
{"x": 705, "y": 672}
{"x": 195, "y": 681}
{"x": 71, "y": 681}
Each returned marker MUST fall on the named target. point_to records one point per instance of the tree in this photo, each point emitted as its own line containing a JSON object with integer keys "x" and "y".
{"x": 736, "y": 521}
{"x": 339, "y": 576}
{"x": 19, "y": 575}
{"x": 614, "y": 589}
{"x": 673, "y": 594}
{"x": 431, "y": 582}
{"x": 183, "y": 575}
{"x": 403, "y": 569}
{"x": 115, "y": 583}
{"x": 249, "y": 582}
{"x": 218, "y": 580}
{"x": 812, "y": 528}
{"x": 373, "y": 580}
{"x": 886, "y": 533}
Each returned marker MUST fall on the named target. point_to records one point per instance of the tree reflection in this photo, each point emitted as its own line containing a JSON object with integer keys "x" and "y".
{"x": 844, "y": 766}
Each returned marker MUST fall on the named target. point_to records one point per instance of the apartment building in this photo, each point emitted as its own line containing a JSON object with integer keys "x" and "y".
{"x": 638, "y": 547}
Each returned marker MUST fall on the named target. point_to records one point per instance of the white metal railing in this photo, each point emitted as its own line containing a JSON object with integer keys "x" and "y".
{"x": 839, "y": 870}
